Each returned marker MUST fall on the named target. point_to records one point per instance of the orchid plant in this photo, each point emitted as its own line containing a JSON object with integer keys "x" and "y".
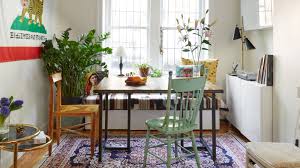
{"x": 7, "y": 105}
{"x": 194, "y": 36}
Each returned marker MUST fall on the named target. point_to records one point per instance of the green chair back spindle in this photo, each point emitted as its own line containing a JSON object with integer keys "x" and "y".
{"x": 185, "y": 95}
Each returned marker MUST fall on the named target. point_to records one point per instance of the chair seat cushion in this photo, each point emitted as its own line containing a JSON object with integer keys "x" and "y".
{"x": 80, "y": 109}
{"x": 278, "y": 155}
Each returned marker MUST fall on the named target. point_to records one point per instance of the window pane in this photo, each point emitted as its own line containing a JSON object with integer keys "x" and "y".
{"x": 129, "y": 23}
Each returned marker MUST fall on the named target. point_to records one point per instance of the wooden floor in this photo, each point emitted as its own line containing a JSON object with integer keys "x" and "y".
{"x": 30, "y": 159}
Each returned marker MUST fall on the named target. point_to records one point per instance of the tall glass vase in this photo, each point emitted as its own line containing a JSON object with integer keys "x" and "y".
{"x": 4, "y": 125}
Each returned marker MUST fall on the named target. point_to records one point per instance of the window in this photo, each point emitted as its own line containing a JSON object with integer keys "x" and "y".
{"x": 265, "y": 12}
{"x": 147, "y": 27}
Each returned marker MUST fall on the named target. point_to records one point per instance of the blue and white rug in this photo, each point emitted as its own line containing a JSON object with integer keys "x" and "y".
{"x": 74, "y": 151}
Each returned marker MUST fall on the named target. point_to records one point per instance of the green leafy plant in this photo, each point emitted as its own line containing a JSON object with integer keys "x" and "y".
{"x": 143, "y": 66}
{"x": 156, "y": 72}
{"x": 144, "y": 69}
{"x": 74, "y": 59}
{"x": 194, "y": 37}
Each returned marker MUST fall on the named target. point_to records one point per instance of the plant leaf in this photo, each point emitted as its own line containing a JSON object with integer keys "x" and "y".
{"x": 186, "y": 50}
{"x": 206, "y": 42}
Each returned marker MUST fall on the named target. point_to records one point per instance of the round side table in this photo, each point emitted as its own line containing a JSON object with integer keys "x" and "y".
{"x": 20, "y": 139}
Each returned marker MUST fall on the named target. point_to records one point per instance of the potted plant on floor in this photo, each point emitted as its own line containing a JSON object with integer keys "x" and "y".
{"x": 74, "y": 59}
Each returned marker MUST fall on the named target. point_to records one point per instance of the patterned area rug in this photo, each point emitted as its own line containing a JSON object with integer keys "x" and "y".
{"x": 74, "y": 151}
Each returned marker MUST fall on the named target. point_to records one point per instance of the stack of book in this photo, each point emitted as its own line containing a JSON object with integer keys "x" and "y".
{"x": 265, "y": 72}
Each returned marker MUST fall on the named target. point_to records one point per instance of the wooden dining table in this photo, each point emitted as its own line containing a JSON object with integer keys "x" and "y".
{"x": 115, "y": 84}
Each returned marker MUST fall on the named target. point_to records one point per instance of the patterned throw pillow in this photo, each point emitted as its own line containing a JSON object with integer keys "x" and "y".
{"x": 210, "y": 64}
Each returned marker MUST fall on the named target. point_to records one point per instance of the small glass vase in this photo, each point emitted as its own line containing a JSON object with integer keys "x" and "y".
{"x": 4, "y": 125}
{"x": 197, "y": 70}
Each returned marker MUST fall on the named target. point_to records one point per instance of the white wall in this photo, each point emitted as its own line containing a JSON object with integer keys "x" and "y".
{"x": 227, "y": 14}
{"x": 25, "y": 80}
{"x": 79, "y": 15}
{"x": 28, "y": 81}
{"x": 287, "y": 69}
{"x": 263, "y": 41}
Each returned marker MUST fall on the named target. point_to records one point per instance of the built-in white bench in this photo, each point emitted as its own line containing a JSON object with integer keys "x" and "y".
{"x": 147, "y": 106}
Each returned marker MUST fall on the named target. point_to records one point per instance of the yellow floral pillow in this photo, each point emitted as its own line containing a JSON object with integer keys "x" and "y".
{"x": 210, "y": 64}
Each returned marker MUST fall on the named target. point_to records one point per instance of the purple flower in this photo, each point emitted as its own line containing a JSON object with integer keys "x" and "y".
{"x": 4, "y": 101}
{"x": 18, "y": 103}
{"x": 4, "y": 111}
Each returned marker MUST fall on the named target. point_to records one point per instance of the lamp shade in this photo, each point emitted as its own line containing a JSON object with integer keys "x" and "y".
{"x": 237, "y": 33}
{"x": 120, "y": 52}
{"x": 249, "y": 45}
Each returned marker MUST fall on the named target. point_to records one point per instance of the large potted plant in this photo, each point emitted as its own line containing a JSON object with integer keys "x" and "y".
{"x": 74, "y": 59}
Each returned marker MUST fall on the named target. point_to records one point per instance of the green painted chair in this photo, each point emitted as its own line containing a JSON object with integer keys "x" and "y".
{"x": 186, "y": 95}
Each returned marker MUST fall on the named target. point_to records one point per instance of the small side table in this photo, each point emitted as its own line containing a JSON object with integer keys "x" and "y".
{"x": 20, "y": 139}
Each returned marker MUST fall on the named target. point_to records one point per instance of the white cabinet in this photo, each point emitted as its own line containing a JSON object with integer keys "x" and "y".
{"x": 257, "y": 14}
{"x": 250, "y": 106}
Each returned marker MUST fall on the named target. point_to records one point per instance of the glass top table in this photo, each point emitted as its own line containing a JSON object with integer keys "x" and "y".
{"x": 20, "y": 139}
{"x": 19, "y": 133}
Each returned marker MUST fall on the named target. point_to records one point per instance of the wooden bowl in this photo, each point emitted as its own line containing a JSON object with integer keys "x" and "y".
{"x": 136, "y": 81}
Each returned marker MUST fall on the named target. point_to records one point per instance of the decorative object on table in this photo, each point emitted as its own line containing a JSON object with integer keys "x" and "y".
{"x": 239, "y": 33}
{"x": 265, "y": 72}
{"x": 120, "y": 52}
{"x": 136, "y": 81}
{"x": 234, "y": 69}
{"x": 92, "y": 80}
{"x": 210, "y": 64}
{"x": 249, "y": 76}
{"x": 75, "y": 58}
{"x": 20, "y": 128}
{"x": 7, "y": 105}
{"x": 130, "y": 74}
{"x": 40, "y": 139}
{"x": 184, "y": 70}
{"x": 194, "y": 37}
{"x": 144, "y": 69}
{"x": 156, "y": 73}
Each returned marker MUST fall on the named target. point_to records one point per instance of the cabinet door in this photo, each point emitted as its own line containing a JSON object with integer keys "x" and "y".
{"x": 251, "y": 108}
{"x": 249, "y": 12}
{"x": 233, "y": 100}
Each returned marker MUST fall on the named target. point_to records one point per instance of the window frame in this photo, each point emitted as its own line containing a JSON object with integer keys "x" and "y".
{"x": 154, "y": 28}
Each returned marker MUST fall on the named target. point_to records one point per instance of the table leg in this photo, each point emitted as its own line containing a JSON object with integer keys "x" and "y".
{"x": 205, "y": 146}
{"x": 128, "y": 121}
{"x": 100, "y": 127}
{"x": 15, "y": 155}
{"x": 106, "y": 116}
{"x": 214, "y": 132}
{"x": 201, "y": 120}
{"x": 50, "y": 149}
{"x": 181, "y": 114}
